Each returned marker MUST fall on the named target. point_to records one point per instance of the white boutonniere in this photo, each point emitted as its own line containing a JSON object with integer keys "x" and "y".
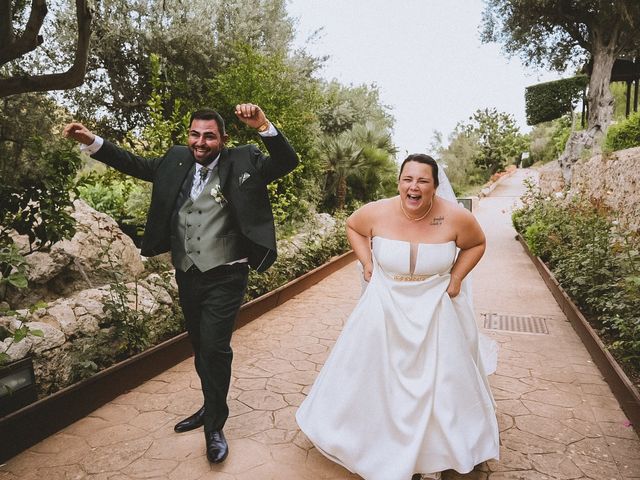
{"x": 216, "y": 193}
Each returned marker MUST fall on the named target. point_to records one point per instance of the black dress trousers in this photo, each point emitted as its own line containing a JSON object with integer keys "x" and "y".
{"x": 210, "y": 302}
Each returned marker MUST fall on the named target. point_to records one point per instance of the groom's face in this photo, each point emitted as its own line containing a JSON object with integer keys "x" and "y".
{"x": 205, "y": 140}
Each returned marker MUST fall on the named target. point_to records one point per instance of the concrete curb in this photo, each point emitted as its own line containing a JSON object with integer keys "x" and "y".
{"x": 623, "y": 389}
{"x": 486, "y": 191}
{"x": 27, "y": 426}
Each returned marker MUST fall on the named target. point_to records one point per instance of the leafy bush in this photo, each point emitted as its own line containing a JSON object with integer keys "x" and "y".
{"x": 500, "y": 142}
{"x": 14, "y": 273}
{"x": 548, "y": 140}
{"x": 312, "y": 254}
{"x": 123, "y": 198}
{"x": 37, "y": 206}
{"x": 596, "y": 263}
{"x": 625, "y": 134}
{"x": 289, "y": 99}
{"x": 458, "y": 159}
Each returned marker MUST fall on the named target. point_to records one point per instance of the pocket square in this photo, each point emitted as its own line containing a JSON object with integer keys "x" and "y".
{"x": 243, "y": 177}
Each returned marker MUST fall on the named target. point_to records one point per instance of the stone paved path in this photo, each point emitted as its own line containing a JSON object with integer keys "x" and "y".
{"x": 558, "y": 419}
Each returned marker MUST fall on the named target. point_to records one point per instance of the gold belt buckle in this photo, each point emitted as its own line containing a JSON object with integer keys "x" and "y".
{"x": 410, "y": 278}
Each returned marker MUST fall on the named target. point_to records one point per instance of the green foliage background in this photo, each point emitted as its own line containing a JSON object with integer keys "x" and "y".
{"x": 595, "y": 261}
{"x": 624, "y": 134}
{"x": 487, "y": 143}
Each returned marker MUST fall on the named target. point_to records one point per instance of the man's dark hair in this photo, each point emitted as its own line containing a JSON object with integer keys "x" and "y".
{"x": 208, "y": 114}
{"x": 427, "y": 160}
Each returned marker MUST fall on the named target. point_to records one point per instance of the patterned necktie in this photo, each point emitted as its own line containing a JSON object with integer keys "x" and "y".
{"x": 198, "y": 185}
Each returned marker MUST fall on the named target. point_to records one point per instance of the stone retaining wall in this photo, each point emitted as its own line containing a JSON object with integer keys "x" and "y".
{"x": 69, "y": 287}
{"x": 610, "y": 179}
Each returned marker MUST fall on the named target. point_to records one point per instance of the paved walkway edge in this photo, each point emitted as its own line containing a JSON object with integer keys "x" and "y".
{"x": 37, "y": 421}
{"x": 620, "y": 384}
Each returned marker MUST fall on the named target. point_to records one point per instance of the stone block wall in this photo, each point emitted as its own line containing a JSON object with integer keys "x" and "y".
{"x": 610, "y": 179}
{"x": 614, "y": 180}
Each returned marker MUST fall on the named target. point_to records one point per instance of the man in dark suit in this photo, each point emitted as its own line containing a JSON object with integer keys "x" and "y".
{"x": 210, "y": 208}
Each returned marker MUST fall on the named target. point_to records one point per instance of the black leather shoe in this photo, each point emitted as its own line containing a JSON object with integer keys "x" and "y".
{"x": 217, "y": 447}
{"x": 194, "y": 421}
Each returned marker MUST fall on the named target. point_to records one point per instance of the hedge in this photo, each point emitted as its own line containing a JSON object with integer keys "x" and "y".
{"x": 550, "y": 100}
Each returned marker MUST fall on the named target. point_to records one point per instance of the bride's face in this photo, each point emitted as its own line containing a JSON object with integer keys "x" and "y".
{"x": 416, "y": 187}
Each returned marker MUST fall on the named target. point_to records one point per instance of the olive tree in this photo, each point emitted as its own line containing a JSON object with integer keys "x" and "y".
{"x": 563, "y": 33}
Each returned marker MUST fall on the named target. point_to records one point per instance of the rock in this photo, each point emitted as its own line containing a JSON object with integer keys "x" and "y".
{"x": 80, "y": 314}
{"x": 63, "y": 314}
{"x": 157, "y": 286}
{"x": 321, "y": 225}
{"x": 43, "y": 266}
{"x": 74, "y": 280}
{"x": 51, "y": 337}
{"x": 551, "y": 178}
{"x": 577, "y": 145}
{"x": 72, "y": 323}
{"x": 10, "y": 322}
{"x": 141, "y": 298}
{"x": 99, "y": 244}
{"x": 16, "y": 350}
{"x": 97, "y": 253}
{"x": 87, "y": 324}
{"x": 91, "y": 302}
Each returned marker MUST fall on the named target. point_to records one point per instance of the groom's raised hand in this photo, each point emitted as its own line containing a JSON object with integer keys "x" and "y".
{"x": 252, "y": 116}
{"x": 78, "y": 132}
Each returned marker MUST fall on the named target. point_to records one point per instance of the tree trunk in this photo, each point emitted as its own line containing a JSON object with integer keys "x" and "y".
{"x": 341, "y": 193}
{"x": 599, "y": 96}
{"x": 601, "y": 105}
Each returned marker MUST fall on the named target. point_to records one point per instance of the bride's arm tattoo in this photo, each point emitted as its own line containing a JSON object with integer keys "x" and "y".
{"x": 437, "y": 221}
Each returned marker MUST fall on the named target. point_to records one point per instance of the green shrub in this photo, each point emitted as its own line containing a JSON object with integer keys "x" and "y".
{"x": 625, "y": 134}
{"x": 38, "y": 205}
{"x": 548, "y": 139}
{"x": 315, "y": 252}
{"x": 596, "y": 263}
{"x": 123, "y": 198}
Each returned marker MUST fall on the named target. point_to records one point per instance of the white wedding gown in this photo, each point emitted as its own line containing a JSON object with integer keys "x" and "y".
{"x": 405, "y": 387}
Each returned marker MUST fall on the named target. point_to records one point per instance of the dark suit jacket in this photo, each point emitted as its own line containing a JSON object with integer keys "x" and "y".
{"x": 247, "y": 196}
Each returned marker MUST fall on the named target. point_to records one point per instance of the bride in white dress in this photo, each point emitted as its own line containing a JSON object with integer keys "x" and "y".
{"x": 405, "y": 387}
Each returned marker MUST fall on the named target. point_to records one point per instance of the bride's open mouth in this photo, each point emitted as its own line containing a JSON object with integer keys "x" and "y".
{"x": 413, "y": 200}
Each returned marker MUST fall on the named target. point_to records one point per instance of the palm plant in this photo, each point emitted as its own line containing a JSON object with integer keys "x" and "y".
{"x": 341, "y": 157}
{"x": 377, "y": 176}
{"x": 360, "y": 162}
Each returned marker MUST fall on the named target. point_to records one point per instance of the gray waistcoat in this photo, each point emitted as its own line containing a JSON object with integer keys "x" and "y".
{"x": 204, "y": 232}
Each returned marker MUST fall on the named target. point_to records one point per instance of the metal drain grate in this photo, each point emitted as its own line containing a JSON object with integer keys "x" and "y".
{"x": 515, "y": 323}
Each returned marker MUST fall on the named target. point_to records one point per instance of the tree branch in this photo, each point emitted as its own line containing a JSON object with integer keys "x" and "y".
{"x": 6, "y": 29}
{"x": 57, "y": 81}
{"x": 30, "y": 38}
{"x": 569, "y": 21}
{"x": 630, "y": 13}
{"x": 628, "y": 40}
